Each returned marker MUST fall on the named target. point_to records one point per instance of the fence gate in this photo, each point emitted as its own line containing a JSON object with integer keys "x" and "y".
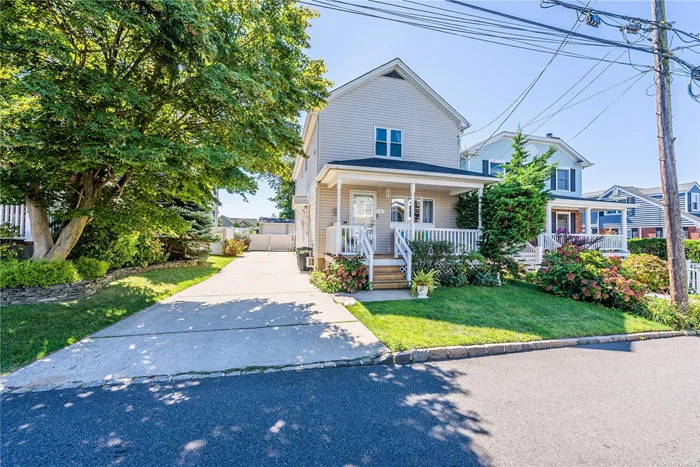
{"x": 271, "y": 242}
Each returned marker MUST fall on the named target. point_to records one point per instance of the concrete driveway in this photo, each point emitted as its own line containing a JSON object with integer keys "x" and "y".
{"x": 258, "y": 311}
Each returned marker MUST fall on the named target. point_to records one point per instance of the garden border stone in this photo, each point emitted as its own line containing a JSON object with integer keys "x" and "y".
{"x": 77, "y": 290}
{"x": 387, "y": 358}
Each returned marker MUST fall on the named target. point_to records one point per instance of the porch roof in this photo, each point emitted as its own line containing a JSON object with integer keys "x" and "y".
{"x": 577, "y": 203}
{"x": 411, "y": 166}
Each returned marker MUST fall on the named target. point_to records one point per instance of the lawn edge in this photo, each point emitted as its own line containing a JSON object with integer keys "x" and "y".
{"x": 386, "y": 358}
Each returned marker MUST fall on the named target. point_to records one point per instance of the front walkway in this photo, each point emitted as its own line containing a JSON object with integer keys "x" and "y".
{"x": 259, "y": 311}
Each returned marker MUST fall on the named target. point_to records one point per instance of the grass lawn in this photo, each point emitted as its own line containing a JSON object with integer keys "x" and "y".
{"x": 29, "y": 332}
{"x": 516, "y": 312}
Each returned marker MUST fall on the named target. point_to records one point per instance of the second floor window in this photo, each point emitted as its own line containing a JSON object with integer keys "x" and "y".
{"x": 388, "y": 142}
{"x": 497, "y": 168}
{"x": 562, "y": 180}
{"x": 695, "y": 201}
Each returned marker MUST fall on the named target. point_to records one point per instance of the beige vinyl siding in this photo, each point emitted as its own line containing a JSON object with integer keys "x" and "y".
{"x": 347, "y": 132}
{"x": 306, "y": 185}
{"x": 327, "y": 201}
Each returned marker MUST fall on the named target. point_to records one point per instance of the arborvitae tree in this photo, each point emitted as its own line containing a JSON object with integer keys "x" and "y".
{"x": 194, "y": 243}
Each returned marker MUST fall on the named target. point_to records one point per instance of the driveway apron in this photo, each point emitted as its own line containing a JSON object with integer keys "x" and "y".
{"x": 259, "y": 311}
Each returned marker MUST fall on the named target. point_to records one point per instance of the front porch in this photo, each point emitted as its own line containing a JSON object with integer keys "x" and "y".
{"x": 377, "y": 213}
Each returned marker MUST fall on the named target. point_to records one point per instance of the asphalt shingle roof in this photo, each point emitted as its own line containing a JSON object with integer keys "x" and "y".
{"x": 275, "y": 220}
{"x": 391, "y": 164}
{"x": 578, "y": 198}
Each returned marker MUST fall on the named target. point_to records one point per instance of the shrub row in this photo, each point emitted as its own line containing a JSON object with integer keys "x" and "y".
{"x": 452, "y": 270}
{"x": 22, "y": 274}
{"x": 657, "y": 247}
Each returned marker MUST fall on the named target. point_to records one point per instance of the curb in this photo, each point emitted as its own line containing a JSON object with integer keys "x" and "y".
{"x": 387, "y": 358}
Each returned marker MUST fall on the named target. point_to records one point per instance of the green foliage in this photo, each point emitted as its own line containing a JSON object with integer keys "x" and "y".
{"x": 120, "y": 250}
{"x": 431, "y": 254}
{"x": 89, "y": 268}
{"x": 513, "y": 211}
{"x": 344, "y": 274}
{"x": 194, "y": 243}
{"x": 22, "y": 274}
{"x": 284, "y": 188}
{"x": 650, "y": 270}
{"x": 425, "y": 279}
{"x": 468, "y": 210}
{"x": 235, "y": 246}
{"x": 8, "y": 248}
{"x": 572, "y": 272}
{"x": 663, "y": 311}
{"x": 657, "y": 247}
{"x": 106, "y": 104}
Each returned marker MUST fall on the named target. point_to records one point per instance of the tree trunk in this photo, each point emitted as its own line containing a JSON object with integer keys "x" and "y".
{"x": 67, "y": 238}
{"x": 41, "y": 229}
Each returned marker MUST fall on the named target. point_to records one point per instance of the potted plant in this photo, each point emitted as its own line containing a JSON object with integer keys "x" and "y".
{"x": 424, "y": 283}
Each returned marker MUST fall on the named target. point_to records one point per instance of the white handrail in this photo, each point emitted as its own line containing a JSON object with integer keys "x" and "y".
{"x": 464, "y": 240}
{"x": 528, "y": 255}
{"x": 401, "y": 247}
{"x": 547, "y": 242}
{"x": 367, "y": 252}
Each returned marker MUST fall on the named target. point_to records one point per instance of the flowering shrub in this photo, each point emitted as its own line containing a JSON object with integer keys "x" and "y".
{"x": 573, "y": 272}
{"x": 344, "y": 274}
{"x": 233, "y": 247}
{"x": 650, "y": 270}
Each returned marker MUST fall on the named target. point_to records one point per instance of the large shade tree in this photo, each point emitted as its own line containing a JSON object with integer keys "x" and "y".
{"x": 107, "y": 102}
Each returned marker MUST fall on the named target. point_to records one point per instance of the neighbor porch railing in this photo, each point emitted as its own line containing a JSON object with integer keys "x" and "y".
{"x": 593, "y": 242}
{"x": 367, "y": 251}
{"x": 463, "y": 240}
{"x": 693, "y": 271}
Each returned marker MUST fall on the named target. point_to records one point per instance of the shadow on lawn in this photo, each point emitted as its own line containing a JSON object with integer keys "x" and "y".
{"x": 382, "y": 415}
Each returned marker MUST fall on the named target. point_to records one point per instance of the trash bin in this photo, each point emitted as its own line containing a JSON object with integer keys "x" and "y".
{"x": 302, "y": 254}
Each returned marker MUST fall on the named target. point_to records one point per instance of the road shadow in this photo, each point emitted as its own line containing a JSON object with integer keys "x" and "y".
{"x": 380, "y": 415}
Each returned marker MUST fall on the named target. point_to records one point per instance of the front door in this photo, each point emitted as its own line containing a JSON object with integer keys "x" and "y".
{"x": 563, "y": 219}
{"x": 363, "y": 212}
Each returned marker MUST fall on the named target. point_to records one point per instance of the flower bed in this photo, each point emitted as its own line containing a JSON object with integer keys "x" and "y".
{"x": 344, "y": 274}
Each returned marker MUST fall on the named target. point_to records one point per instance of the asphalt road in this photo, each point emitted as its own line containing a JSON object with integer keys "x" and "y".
{"x": 633, "y": 403}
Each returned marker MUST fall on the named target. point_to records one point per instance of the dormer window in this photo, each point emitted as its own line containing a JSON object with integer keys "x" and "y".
{"x": 695, "y": 201}
{"x": 388, "y": 142}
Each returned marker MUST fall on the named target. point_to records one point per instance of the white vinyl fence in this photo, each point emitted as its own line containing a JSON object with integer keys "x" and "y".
{"x": 271, "y": 242}
{"x": 693, "y": 271}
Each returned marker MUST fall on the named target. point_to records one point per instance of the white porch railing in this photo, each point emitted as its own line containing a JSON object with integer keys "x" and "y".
{"x": 464, "y": 240}
{"x": 402, "y": 249}
{"x": 345, "y": 239}
{"x": 529, "y": 256}
{"x": 368, "y": 252}
{"x": 546, "y": 242}
{"x": 16, "y": 214}
{"x": 693, "y": 271}
{"x": 593, "y": 242}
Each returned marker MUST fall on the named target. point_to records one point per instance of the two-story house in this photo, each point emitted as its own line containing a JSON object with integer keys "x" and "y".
{"x": 647, "y": 219}
{"x": 569, "y": 213}
{"x": 381, "y": 166}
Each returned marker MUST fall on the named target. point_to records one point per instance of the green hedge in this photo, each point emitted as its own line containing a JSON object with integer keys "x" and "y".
{"x": 657, "y": 247}
{"x": 22, "y": 274}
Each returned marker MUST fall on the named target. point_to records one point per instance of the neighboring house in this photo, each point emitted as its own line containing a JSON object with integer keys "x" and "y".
{"x": 569, "y": 212}
{"x": 647, "y": 219}
{"x": 382, "y": 166}
{"x": 237, "y": 222}
{"x": 275, "y": 226}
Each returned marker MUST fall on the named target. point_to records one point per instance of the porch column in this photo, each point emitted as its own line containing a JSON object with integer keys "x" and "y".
{"x": 588, "y": 221}
{"x": 413, "y": 210}
{"x": 548, "y": 220}
{"x": 623, "y": 228}
{"x": 338, "y": 230}
{"x": 481, "y": 195}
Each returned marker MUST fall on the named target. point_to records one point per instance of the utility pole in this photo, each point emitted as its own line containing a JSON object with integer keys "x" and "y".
{"x": 667, "y": 161}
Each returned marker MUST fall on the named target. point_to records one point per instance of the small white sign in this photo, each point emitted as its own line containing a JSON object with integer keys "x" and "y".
{"x": 380, "y": 211}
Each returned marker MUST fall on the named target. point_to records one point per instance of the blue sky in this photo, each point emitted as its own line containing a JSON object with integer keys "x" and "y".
{"x": 480, "y": 80}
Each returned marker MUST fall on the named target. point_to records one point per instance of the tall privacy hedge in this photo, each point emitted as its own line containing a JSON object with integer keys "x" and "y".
{"x": 657, "y": 247}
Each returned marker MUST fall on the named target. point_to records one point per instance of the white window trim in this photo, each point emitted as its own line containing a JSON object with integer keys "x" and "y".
{"x": 568, "y": 181}
{"x": 388, "y": 142}
{"x": 568, "y": 220}
{"x": 695, "y": 202}
{"x": 503, "y": 165}
{"x": 406, "y": 202}
{"x": 373, "y": 194}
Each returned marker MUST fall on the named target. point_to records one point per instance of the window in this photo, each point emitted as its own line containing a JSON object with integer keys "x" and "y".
{"x": 563, "y": 220}
{"x": 388, "y": 142}
{"x": 594, "y": 230}
{"x": 634, "y": 233}
{"x": 398, "y": 207}
{"x": 562, "y": 180}
{"x": 695, "y": 201}
{"x": 496, "y": 168}
{"x": 686, "y": 232}
{"x": 659, "y": 232}
{"x": 363, "y": 206}
{"x": 611, "y": 213}
{"x": 423, "y": 211}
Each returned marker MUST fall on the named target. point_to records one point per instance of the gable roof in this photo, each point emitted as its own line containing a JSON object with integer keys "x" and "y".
{"x": 474, "y": 149}
{"x": 398, "y": 67}
{"x": 682, "y": 188}
{"x": 275, "y": 220}
{"x": 237, "y": 220}
{"x": 391, "y": 164}
{"x": 639, "y": 193}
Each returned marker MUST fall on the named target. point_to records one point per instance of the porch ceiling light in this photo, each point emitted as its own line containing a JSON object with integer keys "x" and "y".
{"x": 388, "y": 192}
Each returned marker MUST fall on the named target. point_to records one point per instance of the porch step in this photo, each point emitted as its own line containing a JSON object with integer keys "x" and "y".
{"x": 389, "y": 277}
{"x": 390, "y": 285}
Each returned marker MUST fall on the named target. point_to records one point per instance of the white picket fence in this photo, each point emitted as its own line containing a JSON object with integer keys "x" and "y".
{"x": 16, "y": 214}
{"x": 693, "y": 271}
